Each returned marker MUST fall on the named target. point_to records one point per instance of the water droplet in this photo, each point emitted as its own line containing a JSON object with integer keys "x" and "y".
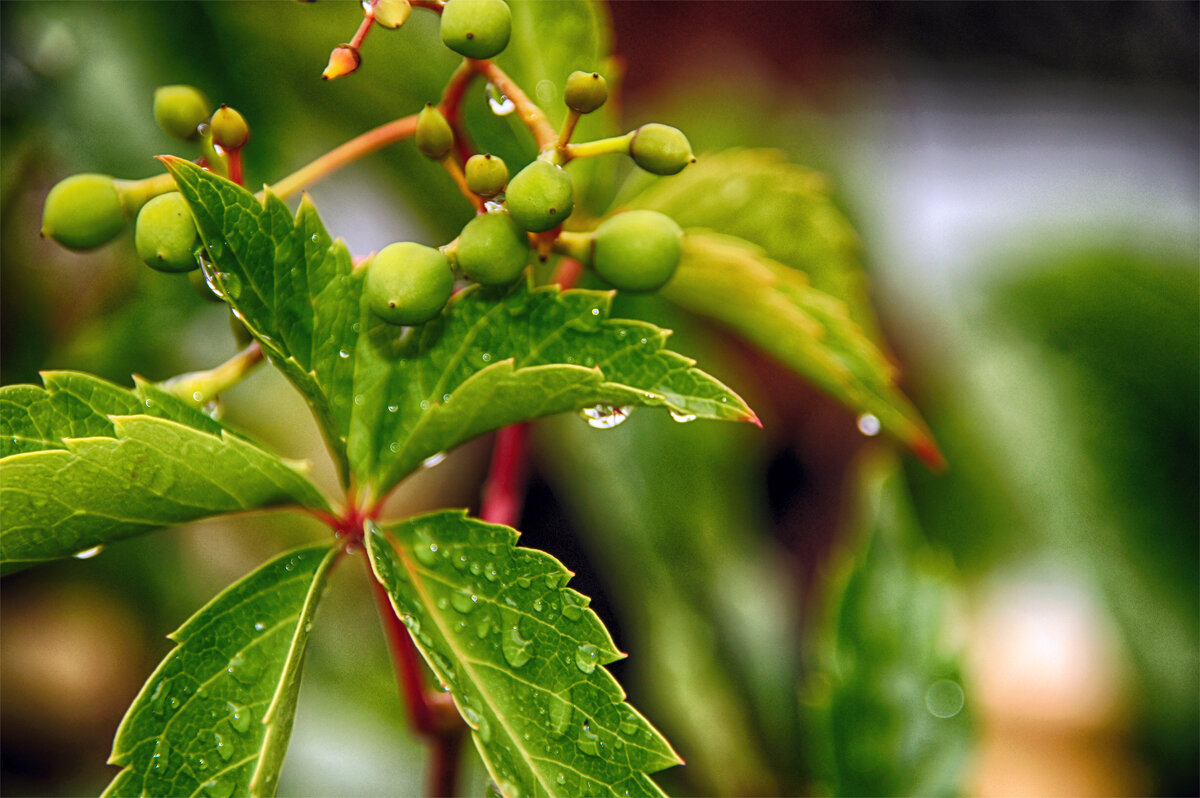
{"x": 433, "y": 459}
{"x": 445, "y": 398}
{"x": 393, "y": 408}
{"x": 489, "y": 571}
{"x": 88, "y": 554}
{"x": 239, "y": 718}
{"x": 223, "y": 748}
{"x": 463, "y": 602}
{"x": 605, "y": 416}
{"x": 424, "y": 404}
{"x": 259, "y": 626}
{"x": 394, "y": 446}
{"x": 553, "y": 580}
{"x": 587, "y": 657}
{"x": 560, "y": 779}
{"x": 500, "y": 104}
{"x": 538, "y": 606}
{"x": 483, "y": 627}
{"x": 486, "y": 357}
{"x": 343, "y": 353}
{"x": 158, "y": 762}
{"x": 476, "y": 568}
{"x": 427, "y": 552}
{"x": 523, "y": 582}
{"x": 869, "y": 425}
{"x": 359, "y": 399}
{"x": 315, "y": 238}
{"x": 683, "y": 418}
{"x": 218, "y": 788}
{"x": 588, "y": 741}
{"x": 516, "y": 648}
{"x": 595, "y": 311}
{"x": 571, "y": 610}
{"x": 944, "y": 699}
{"x": 459, "y": 562}
{"x": 232, "y": 284}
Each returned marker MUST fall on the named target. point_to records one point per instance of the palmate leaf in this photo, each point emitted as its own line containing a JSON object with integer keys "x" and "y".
{"x": 522, "y": 656}
{"x": 215, "y": 717}
{"x": 86, "y": 462}
{"x": 777, "y": 309}
{"x": 887, "y": 712}
{"x": 388, "y": 398}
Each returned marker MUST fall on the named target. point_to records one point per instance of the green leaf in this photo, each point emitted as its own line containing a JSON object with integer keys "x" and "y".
{"x": 215, "y": 717}
{"x": 522, "y": 656}
{"x": 87, "y": 462}
{"x": 784, "y": 208}
{"x": 387, "y": 397}
{"x": 887, "y": 707}
{"x": 811, "y": 332}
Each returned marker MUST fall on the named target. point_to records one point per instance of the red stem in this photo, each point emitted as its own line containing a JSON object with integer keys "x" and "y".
{"x": 506, "y": 477}
{"x": 405, "y": 658}
{"x": 234, "y": 159}
{"x": 443, "y": 769}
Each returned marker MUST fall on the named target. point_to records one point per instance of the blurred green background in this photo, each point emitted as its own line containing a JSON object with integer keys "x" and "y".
{"x": 804, "y": 612}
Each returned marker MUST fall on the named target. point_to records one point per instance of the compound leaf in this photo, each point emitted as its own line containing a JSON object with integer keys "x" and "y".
{"x": 522, "y": 656}
{"x": 86, "y": 462}
{"x": 388, "y": 397}
{"x": 215, "y": 717}
{"x": 806, "y": 329}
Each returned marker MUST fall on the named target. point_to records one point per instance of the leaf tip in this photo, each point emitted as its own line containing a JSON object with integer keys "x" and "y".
{"x": 752, "y": 418}
{"x": 925, "y": 448}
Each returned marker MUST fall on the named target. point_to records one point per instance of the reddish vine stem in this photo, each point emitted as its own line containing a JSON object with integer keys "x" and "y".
{"x": 502, "y": 494}
{"x": 405, "y": 659}
{"x": 443, "y": 769}
{"x": 234, "y": 159}
{"x": 451, "y": 108}
{"x": 533, "y": 116}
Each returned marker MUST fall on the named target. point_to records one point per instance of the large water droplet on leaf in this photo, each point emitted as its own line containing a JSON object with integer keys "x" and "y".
{"x": 587, "y": 657}
{"x": 605, "y": 416}
{"x": 517, "y": 650}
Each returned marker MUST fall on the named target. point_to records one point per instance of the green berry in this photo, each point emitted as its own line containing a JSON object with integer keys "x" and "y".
{"x": 83, "y": 211}
{"x": 540, "y": 197}
{"x": 229, "y": 129}
{"x": 476, "y": 28}
{"x": 408, "y": 283}
{"x": 660, "y": 149}
{"x": 492, "y": 249}
{"x": 486, "y": 174}
{"x": 637, "y": 250}
{"x": 165, "y": 235}
{"x": 585, "y": 91}
{"x": 392, "y": 13}
{"x": 434, "y": 136}
{"x": 180, "y": 110}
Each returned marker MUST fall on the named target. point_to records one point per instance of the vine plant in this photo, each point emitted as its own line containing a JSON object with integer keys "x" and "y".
{"x": 402, "y": 356}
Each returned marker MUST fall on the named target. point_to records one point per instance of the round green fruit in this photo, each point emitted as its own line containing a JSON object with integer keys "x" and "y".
{"x": 585, "y": 91}
{"x": 637, "y": 251}
{"x": 83, "y": 212}
{"x": 476, "y": 28}
{"x": 229, "y": 129}
{"x": 180, "y": 110}
{"x": 486, "y": 174}
{"x": 408, "y": 283}
{"x": 660, "y": 149}
{"x": 434, "y": 136}
{"x": 540, "y": 197}
{"x": 165, "y": 235}
{"x": 492, "y": 249}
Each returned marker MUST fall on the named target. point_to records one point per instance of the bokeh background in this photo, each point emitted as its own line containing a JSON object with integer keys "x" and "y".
{"x": 1024, "y": 181}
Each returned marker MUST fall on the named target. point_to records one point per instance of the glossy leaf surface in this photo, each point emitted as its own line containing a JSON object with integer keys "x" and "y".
{"x": 86, "y": 462}
{"x": 388, "y": 397}
{"x": 811, "y": 332}
{"x": 215, "y": 717}
{"x": 522, "y": 656}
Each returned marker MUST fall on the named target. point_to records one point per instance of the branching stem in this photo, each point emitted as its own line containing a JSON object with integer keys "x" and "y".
{"x": 352, "y": 150}
{"x": 533, "y": 116}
